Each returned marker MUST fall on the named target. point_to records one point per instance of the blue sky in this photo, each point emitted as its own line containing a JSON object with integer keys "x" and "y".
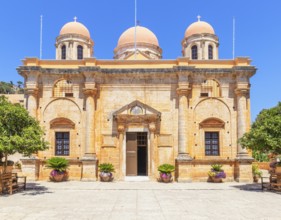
{"x": 258, "y": 32}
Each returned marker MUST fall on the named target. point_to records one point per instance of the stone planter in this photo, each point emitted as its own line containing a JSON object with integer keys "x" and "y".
{"x": 106, "y": 177}
{"x": 166, "y": 178}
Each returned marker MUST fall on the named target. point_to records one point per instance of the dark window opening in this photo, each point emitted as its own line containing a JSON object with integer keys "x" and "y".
{"x": 204, "y": 94}
{"x": 194, "y": 54}
{"x": 62, "y": 144}
{"x": 79, "y": 52}
{"x": 210, "y": 52}
{"x": 142, "y": 153}
{"x": 212, "y": 144}
{"x": 63, "y": 52}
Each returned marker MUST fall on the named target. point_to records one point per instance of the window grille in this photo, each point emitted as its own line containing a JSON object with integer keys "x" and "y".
{"x": 62, "y": 144}
{"x": 63, "y": 88}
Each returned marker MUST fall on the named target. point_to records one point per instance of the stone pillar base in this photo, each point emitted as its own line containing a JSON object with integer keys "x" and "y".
{"x": 89, "y": 169}
{"x": 30, "y": 168}
{"x": 184, "y": 157}
{"x": 243, "y": 170}
{"x": 183, "y": 169}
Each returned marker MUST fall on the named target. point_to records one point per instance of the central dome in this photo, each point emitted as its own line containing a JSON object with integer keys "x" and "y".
{"x": 143, "y": 35}
{"x": 75, "y": 27}
{"x": 199, "y": 27}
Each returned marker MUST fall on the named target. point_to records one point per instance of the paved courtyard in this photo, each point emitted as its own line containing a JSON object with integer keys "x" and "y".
{"x": 140, "y": 200}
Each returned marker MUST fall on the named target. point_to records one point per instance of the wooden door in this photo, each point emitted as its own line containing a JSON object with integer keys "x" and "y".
{"x": 131, "y": 154}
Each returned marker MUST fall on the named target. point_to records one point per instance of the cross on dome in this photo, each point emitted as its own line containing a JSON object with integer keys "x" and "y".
{"x": 75, "y": 19}
{"x": 198, "y": 17}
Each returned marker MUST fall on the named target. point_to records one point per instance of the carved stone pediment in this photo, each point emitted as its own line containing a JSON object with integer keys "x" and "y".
{"x": 212, "y": 123}
{"x": 136, "y": 112}
{"x": 62, "y": 123}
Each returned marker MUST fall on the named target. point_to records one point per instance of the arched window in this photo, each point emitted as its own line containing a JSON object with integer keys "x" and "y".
{"x": 63, "y": 88}
{"x": 210, "y": 52}
{"x": 210, "y": 88}
{"x": 194, "y": 54}
{"x": 79, "y": 52}
{"x": 63, "y": 52}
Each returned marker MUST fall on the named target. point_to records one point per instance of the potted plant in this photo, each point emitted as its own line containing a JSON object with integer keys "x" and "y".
{"x": 59, "y": 166}
{"x": 166, "y": 172}
{"x": 216, "y": 174}
{"x": 256, "y": 173}
{"x": 106, "y": 170}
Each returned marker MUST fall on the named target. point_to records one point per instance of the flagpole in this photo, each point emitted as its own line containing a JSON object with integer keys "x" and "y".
{"x": 233, "y": 43}
{"x": 41, "y": 37}
{"x": 135, "y": 29}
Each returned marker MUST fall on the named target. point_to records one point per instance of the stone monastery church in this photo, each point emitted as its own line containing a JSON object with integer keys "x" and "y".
{"x": 138, "y": 111}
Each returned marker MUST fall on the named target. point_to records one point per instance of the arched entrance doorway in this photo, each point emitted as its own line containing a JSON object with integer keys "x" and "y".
{"x": 136, "y": 125}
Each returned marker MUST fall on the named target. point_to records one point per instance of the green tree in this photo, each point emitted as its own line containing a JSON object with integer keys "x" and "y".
{"x": 6, "y": 88}
{"x": 265, "y": 134}
{"x": 19, "y": 132}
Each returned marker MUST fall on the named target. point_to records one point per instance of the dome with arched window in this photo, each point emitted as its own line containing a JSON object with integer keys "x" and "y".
{"x": 200, "y": 41}
{"x": 74, "y": 42}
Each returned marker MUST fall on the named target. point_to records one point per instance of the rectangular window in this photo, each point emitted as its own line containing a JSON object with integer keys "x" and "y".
{"x": 212, "y": 144}
{"x": 62, "y": 143}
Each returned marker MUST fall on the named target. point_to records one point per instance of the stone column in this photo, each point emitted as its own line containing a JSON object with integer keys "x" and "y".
{"x": 241, "y": 95}
{"x": 152, "y": 129}
{"x": 90, "y": 151}
{"x": 121, "y": 130}
{"x": 183, "y": 153}
{"x": 31, "y": 104}
{"x": 89, "y": 160}
{"x": 243, "y": 165}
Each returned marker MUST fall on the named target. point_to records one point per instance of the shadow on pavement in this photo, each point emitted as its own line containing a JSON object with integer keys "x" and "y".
{"x": 33, "y": 189}
{"x": 256, "y": 187}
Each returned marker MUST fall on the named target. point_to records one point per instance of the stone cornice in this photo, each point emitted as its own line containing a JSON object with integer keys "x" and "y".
{"x": 189, "y": 70}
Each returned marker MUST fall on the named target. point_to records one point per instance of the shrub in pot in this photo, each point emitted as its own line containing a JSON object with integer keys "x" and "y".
{"x": 256, "y": 173}
{"x": 59, "y": 166}
{"x": 166, "y": 172}
{"x": 216, "y": 174}
{"x": 106, "y": 170}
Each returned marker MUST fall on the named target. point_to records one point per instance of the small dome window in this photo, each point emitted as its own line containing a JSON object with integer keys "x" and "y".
{"x": 210, "y": 52}
{"x": 63, "y": 52}
{"x": 79, "y": 52}
{"x": 194, "y": 53}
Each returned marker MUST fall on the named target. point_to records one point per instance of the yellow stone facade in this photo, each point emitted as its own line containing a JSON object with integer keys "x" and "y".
{"x": 97, "y": 105}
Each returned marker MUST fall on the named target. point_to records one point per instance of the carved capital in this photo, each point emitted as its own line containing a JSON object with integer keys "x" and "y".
{"x": 121, "y": 128}
{"x": 90, "y": 92}
{"x": 152, "y": 127}
{"x": 242, "y": 91}
{"x": 31, "y": 91}
{"x": 183, "y": 91}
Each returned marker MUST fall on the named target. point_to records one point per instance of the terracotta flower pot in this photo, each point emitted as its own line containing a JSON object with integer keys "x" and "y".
{"x": 57, "y": 176}
{"x": 166, "y": 177}
{"x": 216, "y": 179}
{"x": 106, "y": 177}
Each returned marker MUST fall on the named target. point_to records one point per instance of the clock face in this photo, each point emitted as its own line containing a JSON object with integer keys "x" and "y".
{"x": 136, "y": 110}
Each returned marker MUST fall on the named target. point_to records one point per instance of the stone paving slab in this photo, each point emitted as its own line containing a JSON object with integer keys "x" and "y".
{"x": 140, "y": 200}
